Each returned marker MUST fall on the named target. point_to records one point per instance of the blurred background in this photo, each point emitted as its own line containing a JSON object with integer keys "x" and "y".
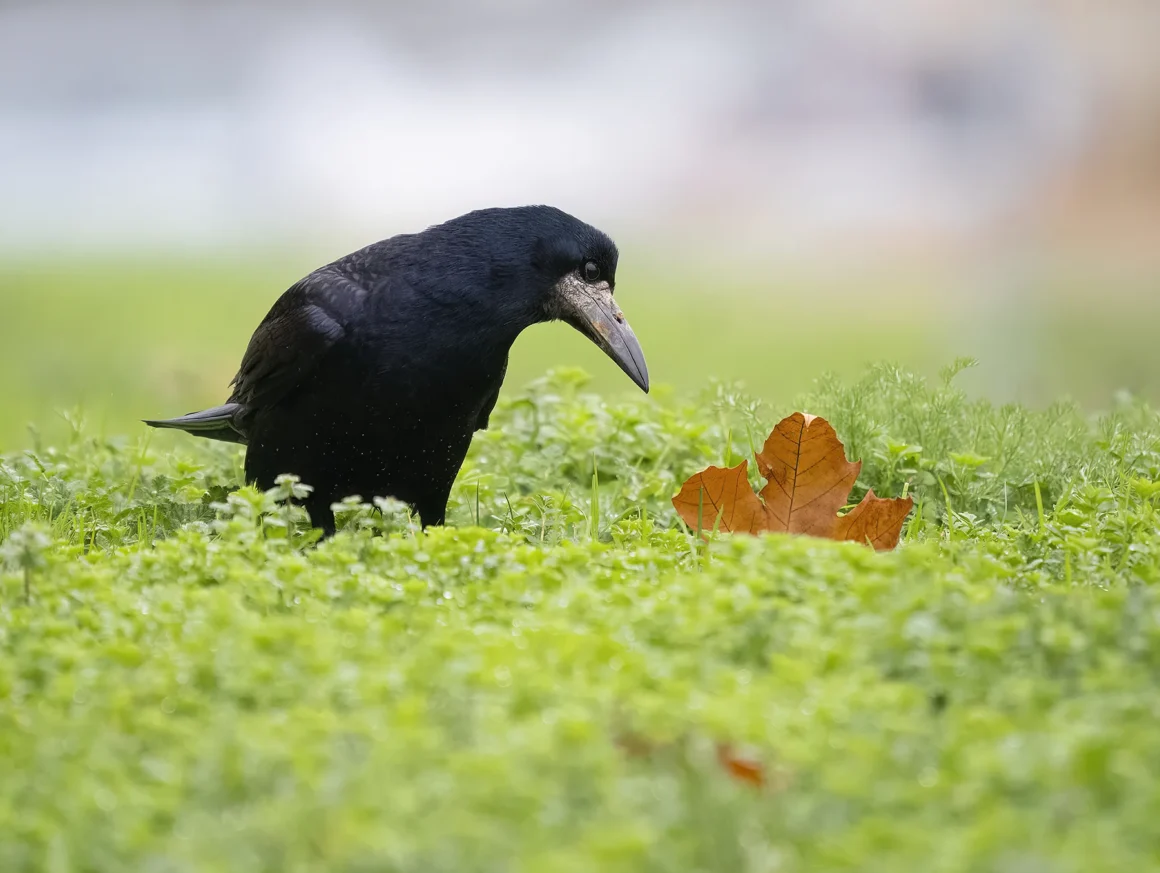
{"x": 796, "y": 185}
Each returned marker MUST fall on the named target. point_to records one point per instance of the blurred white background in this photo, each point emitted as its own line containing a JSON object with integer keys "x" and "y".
{"x": 786, "y": 127}
{"x": 796, "y": 186}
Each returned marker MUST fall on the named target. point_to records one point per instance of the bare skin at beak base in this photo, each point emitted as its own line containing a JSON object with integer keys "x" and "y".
{"x": 592, "y": 310}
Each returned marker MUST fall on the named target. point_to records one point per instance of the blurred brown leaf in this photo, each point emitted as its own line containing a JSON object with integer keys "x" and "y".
{"x": 744, "y": 768}
{"x": 808, "y": 481}
{"x": 742, "y": 765}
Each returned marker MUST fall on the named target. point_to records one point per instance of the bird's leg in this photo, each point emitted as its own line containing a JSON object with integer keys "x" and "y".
{"x": 432, "y": 513}
{"x": 321, "y": 515}
{"x": 432, "y": 519}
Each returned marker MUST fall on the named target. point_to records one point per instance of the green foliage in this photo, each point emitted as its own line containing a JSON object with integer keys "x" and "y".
{"x": 187, "y": 683}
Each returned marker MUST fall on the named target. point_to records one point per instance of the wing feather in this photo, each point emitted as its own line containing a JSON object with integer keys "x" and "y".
{"x": 298, "y": 332}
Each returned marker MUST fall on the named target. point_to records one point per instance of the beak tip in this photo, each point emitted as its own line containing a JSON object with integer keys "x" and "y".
{"x": 635, "y": 368}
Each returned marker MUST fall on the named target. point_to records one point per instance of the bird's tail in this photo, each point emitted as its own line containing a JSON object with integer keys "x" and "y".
{"x": 217, "y": 423}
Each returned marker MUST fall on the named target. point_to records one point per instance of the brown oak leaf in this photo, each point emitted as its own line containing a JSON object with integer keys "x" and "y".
{"x": 808, "y": 479}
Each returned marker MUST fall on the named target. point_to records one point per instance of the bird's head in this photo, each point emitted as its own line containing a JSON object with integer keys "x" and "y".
{"x": 576, "y": 264}
{"x": 544, "y": 265}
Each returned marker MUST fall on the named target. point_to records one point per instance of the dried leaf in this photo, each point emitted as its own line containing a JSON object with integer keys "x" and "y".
{"x": 720, "y": 498}
{"x": 744, "y": 767}
{"x": 741, "y": 767}
{"x": 876, "y": 520}
{"x": 808, "y": 481}
{"x": 809, "y": 476}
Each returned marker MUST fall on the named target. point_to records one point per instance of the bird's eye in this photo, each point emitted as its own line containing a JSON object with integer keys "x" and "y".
{"x": 591, "y": 272}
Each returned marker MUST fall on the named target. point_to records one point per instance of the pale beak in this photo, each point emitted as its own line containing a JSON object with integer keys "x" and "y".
{"x": 591, "y": 309}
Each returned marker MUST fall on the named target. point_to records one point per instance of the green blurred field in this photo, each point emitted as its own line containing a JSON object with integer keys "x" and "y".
{"x": 126, "y": 340}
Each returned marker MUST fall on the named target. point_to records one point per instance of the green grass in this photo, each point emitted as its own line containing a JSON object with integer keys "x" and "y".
{"x": 186, "y": 685}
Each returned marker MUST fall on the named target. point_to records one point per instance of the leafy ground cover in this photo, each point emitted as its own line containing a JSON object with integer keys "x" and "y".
{"x": 187, "y": 685}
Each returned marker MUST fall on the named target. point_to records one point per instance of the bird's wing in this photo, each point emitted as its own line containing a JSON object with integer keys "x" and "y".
{"x": 297, "y": 333}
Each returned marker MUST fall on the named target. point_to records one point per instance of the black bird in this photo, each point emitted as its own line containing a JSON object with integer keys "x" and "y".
{"x": 370, "y": 375}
